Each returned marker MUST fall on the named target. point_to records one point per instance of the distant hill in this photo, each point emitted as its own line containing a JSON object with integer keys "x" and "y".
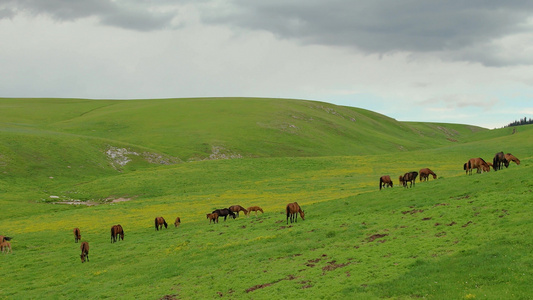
{"x": 82, "y": 139}
{"x": 192, "y": 129}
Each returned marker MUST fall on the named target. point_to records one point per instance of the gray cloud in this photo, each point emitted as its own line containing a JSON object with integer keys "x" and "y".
{"x": 135, "y": 15}
{"x": 6, "y": 13}
{"x": 471, "y": 31}
{"x": 417, "y": 26}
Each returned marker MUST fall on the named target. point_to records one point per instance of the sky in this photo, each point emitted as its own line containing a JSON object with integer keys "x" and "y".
{"x": 468, "y": 62}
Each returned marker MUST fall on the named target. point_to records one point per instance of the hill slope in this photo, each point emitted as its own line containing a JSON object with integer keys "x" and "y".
{"x": 196, "y": 129}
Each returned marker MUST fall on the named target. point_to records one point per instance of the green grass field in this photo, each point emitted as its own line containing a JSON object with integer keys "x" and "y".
{"x": 456, "y": 237}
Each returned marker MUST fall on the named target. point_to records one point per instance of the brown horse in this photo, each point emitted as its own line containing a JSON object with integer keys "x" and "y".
{"x": 499, "y": 160}
{"x": 159, "y": 222}
{"x": 84, "y": 251}
{"x": 292, "y": 210}
{"x": 117, "y": 233}
{"x": 237, "y": 209}
{"x": 212, "y": 217}
{"x": 509, "y": 157}
{"x": 5, "y": 247}
{"x": 476, "y": 163}
{"x": 177, "y": 222}
{"x": 385, "y": 181}
{"x": 408, "y": 177}
{"x": 77, "y": 234}
{"x": 424, "y": 174}
{"x": 254, "y": 208}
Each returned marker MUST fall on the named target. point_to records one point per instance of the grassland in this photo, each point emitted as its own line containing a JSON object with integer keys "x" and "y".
{"x": 457, "y": 237}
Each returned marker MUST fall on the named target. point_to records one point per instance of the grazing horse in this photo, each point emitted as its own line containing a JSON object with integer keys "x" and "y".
{"x": 509, "y": 157}
{"x": 385, "y": 181}
{"x": 117, "y": 233}
{"x": 224, "y": 212}
{"x": 424, "y": 174}
{"x": 498, "y": 161}
{"x": 408, "y": 177}
{"x": 292, "y": 212}
{"x": 5, "y": 247}
{"x": 476, "y": 163}
{"x": 84, "y": 251}
{"x": 177, "y": 222}
{"x": 254, "y": 208}
{"x": 77, "y": 234}
{"x": 237, "y": 209}
{"x": 159, "y": 222}
{"x": 212, "y": 217}
{"x": 4, "y": 238}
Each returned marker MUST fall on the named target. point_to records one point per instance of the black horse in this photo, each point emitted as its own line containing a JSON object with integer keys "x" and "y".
{"x": 498, "y": 161}
{"x": 224, "y": 212}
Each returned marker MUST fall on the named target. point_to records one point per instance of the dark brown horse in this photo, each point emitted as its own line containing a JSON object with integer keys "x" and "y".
{"x": 159, "y": 222}
{"x": 408, "y": 177}
{"x": 212, "y": 217}
{"x": 177, "y": 222}
{"x": 77, "y": 234}
{"x": 499, "y": 161}
{"x": 509, "y": 157}
{"x": 237, "y": 209}
{"x": 254, "y": 208}
{"x": 476, "y": 163}
{"x": 84, "y": 251}
{"x": 117, "y": 233}
{"x": 424, "y": 174}
{"x": 385, "y": 181}
{"x": 292, "y": 210}
{"x": 224, "y": 212}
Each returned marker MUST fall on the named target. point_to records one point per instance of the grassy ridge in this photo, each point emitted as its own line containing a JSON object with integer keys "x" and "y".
{"x": 455, "y": 237}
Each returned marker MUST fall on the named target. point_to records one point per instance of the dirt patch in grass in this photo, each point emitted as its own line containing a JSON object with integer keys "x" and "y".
{"x": 262, "y": 286}
{"x": 412, "y": 212}
{"x": 468, "y": 223}
{"x": 377, "y": 236}
{"x": 332, "y": 265}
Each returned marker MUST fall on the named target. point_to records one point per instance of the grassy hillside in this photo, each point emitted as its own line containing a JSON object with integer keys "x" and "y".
{"x": 457, "y": 237}
{"x": 192, "y": 129}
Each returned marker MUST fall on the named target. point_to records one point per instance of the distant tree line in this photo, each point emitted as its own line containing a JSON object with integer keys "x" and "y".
{"x": 523, "y": 121}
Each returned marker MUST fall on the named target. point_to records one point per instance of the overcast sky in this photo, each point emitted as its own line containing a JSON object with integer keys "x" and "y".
{"x": 467, "y": 62}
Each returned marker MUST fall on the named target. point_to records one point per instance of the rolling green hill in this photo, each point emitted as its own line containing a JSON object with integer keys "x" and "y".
{"x": 457, "y": 237}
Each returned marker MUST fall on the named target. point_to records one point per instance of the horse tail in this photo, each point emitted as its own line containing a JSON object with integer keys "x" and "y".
{"x": 380, "y": 183}
{"x": 464, "y": 166}
{"x": 155, "y": 221}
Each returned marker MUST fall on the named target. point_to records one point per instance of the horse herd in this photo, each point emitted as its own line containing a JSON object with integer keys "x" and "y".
{"x": 499, "y": 160}
{"x": 117, "y": 232}
{"x": 292, "y": 209}
{"x": 409, "y": 177}
{"x": 233, "y": 211}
